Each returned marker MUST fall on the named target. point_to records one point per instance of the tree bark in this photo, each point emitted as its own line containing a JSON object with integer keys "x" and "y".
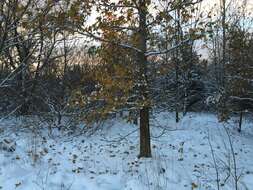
{"x": 145, "y": 148}
{"x": 178, "y": 54}
{"x": 145, "y": 144}
{"x": 240, "y": 122}
{"x": 224, "y": 40}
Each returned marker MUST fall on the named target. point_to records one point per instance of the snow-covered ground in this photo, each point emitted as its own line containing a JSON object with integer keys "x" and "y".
{"x": 107, "y": 160}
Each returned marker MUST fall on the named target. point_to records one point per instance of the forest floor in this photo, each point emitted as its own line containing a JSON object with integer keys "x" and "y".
{"x": 107, "y": 160}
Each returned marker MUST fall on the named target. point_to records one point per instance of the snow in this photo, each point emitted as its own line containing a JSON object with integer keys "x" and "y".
{"x": 107, "y": 159}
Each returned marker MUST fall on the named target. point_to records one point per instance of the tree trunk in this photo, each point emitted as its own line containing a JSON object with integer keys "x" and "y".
{"x": 145, "y": 147}
{"x": 224, "y": 40}
{"x": 24, "y": 109}
{"x": 177, "y": 90}
{"x": 23, "y": 54}
{"x": 224, "y": 59}
{"x": 177, "y": 116}
{"x": 178, "y": 39}
{"x": 240, "y": 122}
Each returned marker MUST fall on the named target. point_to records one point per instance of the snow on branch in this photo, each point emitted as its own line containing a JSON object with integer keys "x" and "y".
{"x": 123, "y": 45}
{"x": 152, "y": 53}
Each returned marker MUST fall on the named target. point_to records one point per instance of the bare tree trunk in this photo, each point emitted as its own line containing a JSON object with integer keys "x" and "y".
{"x": 23, "y": 53}
{"x": 145, "y": 148}
{"x": 178, "y": 39}
{"x": 177, "y": 90}
{"x": 240, "y": 122}
{"x": 25, "y": 107}
{"x": 223, "y": 41}
{"x": 145, "y": 144}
